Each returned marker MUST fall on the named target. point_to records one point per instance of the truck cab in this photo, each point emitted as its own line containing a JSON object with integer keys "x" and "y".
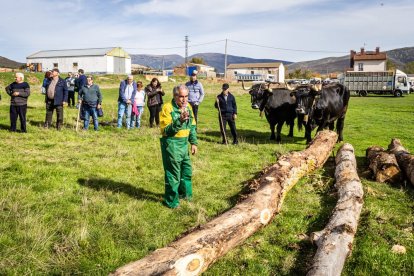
{"x": 402, "y": 85}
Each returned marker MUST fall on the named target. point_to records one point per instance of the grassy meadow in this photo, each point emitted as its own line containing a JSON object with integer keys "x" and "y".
{"x": 89, "y": 202}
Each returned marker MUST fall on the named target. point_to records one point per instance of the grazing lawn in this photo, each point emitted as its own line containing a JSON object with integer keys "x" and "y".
{"x": 89, "y": 202}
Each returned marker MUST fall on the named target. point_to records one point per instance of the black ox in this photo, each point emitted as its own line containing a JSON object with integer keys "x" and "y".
{"x": 320, "y": 107}
{"x": 277, "y": 104}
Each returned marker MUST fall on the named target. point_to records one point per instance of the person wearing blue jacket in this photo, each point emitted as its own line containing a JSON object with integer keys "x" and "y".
{"x": 196, "y": 93}
{"x": 56, "y": 97}
{"x": 127, "y": 91}
{"x": 226, "y": 104}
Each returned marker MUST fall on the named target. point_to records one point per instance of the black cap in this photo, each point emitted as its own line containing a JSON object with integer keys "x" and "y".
{"x": 225, "y": 86}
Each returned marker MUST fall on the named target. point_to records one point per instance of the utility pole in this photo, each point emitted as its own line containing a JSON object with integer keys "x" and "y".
{"x": 186, "y": 49}
{"x": 225, "y": 60}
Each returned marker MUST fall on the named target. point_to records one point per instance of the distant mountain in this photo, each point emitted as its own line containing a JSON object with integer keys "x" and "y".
{"x": 213, "y": 59}
{"x": 8, "y": 63}
{"x": 399, "y": 57}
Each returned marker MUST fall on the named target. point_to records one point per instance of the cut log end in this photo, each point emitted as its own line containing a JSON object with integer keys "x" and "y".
{"x": 189, "y": 265}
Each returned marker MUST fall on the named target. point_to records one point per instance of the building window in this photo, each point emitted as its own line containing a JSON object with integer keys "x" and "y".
{"x": 55, "y": 65}
{"x": 252, "y": 72}
{"x": 75, "y": 64}
{"x": 269, "y": 72}
{"x": 360, "y": 67}
{"x": 235, "y": 72}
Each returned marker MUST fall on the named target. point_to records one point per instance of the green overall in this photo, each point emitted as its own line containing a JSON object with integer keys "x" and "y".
{"x": 175, "y": 153}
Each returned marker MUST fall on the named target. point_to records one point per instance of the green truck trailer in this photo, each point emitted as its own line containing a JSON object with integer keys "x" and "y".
{"x": 385, "y": 82}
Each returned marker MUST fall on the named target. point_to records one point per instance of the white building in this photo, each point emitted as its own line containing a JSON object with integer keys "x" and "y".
{"x": 273, "y": 71}
{"x": 369, "y": 61}
{"x": 96, "y": 60}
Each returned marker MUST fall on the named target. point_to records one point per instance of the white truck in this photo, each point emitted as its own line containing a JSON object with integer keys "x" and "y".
{"x": 385, "y": 82}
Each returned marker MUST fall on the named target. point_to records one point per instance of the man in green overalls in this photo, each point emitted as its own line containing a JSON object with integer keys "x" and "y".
{"x": 177, "y": 128}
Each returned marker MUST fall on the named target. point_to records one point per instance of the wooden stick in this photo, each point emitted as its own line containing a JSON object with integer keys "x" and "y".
{"x": 195, "y": 252}
{"x": 77, "y": 120}
{"x": 383, "y": 165}
{"x": 404, "y": 158}
{"x": 335, "y": 240}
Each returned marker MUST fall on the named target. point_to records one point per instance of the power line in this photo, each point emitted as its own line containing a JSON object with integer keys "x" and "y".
{"x": 288, "y": 49}
{"x": 175, "y": 47}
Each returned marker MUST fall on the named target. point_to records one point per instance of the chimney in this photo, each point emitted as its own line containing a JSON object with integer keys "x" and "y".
{"x": 362, "y": 51}
{"x": 377, "y": 50}
{"x": 351, "y": 58}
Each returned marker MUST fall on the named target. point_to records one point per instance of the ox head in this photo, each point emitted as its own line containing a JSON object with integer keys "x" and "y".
{"x": 259, "y": 93}
{"x": 306, "y": 98}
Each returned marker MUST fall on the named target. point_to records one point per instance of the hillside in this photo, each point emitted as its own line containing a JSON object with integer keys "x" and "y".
{"x": 213, "y": 59}
{"x": 325, "y": 65}
{"x": 399, "y": 57}
{"x": 8, "y": 63}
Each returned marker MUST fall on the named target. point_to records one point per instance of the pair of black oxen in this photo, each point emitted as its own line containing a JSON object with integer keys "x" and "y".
{"x": 314, "y": 105}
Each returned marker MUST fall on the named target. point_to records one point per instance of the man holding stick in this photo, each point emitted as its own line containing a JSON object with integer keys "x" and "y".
{"x": 178, "y": 128}
{"x": 226, "y": 104}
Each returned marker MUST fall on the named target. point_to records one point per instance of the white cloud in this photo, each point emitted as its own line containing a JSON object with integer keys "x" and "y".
{"x": 310, "y": 25}
{"x": 198, "y": 8}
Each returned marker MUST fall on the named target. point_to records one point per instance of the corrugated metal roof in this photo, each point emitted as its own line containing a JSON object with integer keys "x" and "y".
{"x": 75, "y": 52}
{"x": 254, "y": 65}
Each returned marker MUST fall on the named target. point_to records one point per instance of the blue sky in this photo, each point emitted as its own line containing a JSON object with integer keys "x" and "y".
{"x": 320, "y": 28}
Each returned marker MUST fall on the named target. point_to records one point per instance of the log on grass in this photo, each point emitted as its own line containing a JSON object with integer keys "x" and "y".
{"x": 195, "y": 252}
{"x": 335, "y": 240}
{"x": 404, "y": 158}
{"x": 383, "y": 165}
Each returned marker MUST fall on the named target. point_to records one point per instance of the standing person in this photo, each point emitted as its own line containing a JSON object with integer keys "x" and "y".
{"x": 127, "y": 91}
{"x": 154, "y": 93}
{"x": 177, "y": 125}
{"x": 90, "y": 97}
{"x": 140, "y": 104}
{"x": 196, "y": 92}
{"x": 19, "y": 91}
{"x": 70, "y": 83}
{"x": 46, "y": 81}
{"x": 226, "y": 103}
{"x": 56, "y": 97}
{"x": 80, "y": 81}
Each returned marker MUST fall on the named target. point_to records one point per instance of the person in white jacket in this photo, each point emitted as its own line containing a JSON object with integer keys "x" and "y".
{"x": 140, "y": 97}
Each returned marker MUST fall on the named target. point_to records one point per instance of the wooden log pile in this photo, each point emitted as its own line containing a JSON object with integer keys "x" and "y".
{"x": 392, "y": 165}
{"x": 335, "y": 240}
{"x": 383, "y": 165}
{"x": 195, "y": 252}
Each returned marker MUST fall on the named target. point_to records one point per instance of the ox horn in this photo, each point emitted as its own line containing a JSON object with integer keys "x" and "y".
{"x": 244, "y": 88}
{"x": 290, "y": 87}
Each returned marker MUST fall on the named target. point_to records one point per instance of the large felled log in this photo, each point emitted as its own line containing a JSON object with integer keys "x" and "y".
{"x": 335, "y": 240}
{"x": 383, "y": 165}
{"x": 195, "y": 252}
{"x": 404, "y": 158}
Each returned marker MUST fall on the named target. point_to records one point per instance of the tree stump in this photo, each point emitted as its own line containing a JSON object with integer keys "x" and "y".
{"x": 195, "y": 252}
{"x": 404, "y": 158}
{"x": 335, "y": 240}
{"x": 383, "y": 165}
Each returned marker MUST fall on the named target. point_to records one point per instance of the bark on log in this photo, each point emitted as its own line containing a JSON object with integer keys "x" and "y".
{"x": 404, "y": 158}
{"x": 335, "y": 241}
{"x": 195, "y": 252}
{"x": 383, "y": 165}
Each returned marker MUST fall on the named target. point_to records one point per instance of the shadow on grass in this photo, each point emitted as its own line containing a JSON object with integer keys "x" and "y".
{"x": 101, "y": 184}
{"x": 250, "y": 136}
{"x": 4, "y": 126}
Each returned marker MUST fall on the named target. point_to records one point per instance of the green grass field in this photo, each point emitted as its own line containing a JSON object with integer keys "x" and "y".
{"x": 89, "y": 202}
